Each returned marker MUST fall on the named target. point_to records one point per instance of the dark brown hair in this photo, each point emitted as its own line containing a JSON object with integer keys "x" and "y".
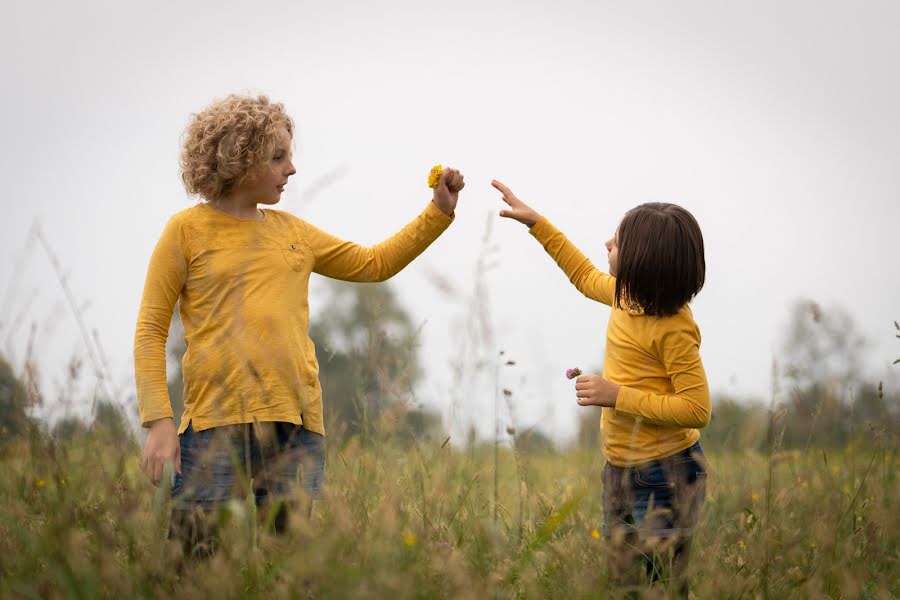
{"x": 661, "y": 265}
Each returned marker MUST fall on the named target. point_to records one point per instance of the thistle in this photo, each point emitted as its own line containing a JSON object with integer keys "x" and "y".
{"x": 573, "y": 373}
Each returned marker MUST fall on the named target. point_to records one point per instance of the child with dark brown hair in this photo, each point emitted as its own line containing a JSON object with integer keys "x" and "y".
{"x": 653, "y": 390}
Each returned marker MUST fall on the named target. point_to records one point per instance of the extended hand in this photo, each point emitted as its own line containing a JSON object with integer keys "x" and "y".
{"x": 593, "y": 390}
{"x": 161, "y": 448}
{"x": 519, "y": 211}
{"x": 446, "y": 194}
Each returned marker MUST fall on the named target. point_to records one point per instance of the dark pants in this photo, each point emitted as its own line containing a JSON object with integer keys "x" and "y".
{"x": 224, "y": 463}
{"x": 649, "y": 515}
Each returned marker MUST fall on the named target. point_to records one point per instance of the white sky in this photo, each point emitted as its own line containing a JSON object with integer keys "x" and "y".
{"x": 775, "y": 123}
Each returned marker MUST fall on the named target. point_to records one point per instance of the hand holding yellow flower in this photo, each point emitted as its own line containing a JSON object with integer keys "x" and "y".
{"x": 446, "y": 184}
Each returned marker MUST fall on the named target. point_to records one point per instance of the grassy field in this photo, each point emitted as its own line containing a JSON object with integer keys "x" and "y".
{"x": 79, "y": 520}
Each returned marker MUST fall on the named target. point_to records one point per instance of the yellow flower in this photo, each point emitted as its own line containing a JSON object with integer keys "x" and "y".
{"x": 435, "y": 176}
{"x": 40, "y": 483}
{"x": 742, "y": 545}
{"x": 835, "y": 469}
{"x": 595, "y": 534}
{"x": 755, "y": 497}
{"x": 409, "y": 539}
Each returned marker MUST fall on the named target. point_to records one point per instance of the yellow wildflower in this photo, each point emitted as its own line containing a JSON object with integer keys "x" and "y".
{"x": 39, "y": 483}
{"x": 835, "y": 469}
{"x": 409, "y": 539}
{"x": 435, "y": 176}
{"x": 595, "y": 534}
{"x": 742, "y": 545}
{"x": 755, "y": 497}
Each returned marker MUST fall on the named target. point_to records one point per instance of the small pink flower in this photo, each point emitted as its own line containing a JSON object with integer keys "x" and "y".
{"x": 573, "y": 373}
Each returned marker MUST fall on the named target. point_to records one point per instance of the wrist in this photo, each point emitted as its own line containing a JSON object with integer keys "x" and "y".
{"x": 163, "y": 422}
{"x": 446, "y": 210}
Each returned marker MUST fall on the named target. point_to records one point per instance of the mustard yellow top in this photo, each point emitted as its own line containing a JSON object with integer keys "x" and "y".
{"x": 243, "y": 288}
{"x": 664, "y": 398}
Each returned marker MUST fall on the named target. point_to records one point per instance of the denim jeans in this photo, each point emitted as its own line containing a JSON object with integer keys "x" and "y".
{"x": 649, "y": 515}
{"x": 222, "y": 463}
{"x": 218, "y": 464}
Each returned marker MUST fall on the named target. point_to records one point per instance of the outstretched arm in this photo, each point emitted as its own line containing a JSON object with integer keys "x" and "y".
{"x": 340, "y": 259}
{"x": 589, "y": 280}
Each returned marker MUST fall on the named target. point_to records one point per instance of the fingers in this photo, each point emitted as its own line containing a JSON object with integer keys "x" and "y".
{"x": 453, "y": 179}
{"x": 503, "y": 189}
{"x": 158, "y": 467}
{"x": 178, "y": 460}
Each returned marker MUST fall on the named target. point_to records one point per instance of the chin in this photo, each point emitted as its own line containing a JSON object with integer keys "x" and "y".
{"x": 270, "y": 201}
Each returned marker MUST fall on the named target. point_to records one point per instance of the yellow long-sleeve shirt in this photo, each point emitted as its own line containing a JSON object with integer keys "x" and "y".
{"x": 664, "y": 395}
{"x": 243, "y": 288}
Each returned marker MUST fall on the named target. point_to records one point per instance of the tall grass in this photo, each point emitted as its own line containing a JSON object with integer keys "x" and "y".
{"x": 79, "y": 520}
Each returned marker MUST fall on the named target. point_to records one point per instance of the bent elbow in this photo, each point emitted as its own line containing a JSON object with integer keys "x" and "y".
{"x": 702, "y": 417}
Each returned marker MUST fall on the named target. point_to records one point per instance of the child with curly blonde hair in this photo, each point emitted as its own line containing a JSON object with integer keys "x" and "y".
{"x": 653, "y": 389}
{"x": 240, "y": 274}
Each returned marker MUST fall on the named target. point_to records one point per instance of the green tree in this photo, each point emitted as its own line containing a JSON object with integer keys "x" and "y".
{"x": 367, "y": 348}
{"x": 366, "y": 345}
{"x": 14, "y": 403}
{"x": 828, "y": 401}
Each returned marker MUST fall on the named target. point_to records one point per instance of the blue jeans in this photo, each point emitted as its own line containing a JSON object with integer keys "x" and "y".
{"x": 220, "y": 463}
{"x": 649, "y": 515}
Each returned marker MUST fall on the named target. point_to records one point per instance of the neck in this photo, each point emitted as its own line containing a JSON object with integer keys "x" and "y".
{"x": 238, "y": 207}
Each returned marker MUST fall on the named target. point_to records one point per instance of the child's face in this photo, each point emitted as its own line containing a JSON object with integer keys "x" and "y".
{"x": 268, "y": 183}
{"x": 612, "y": 247}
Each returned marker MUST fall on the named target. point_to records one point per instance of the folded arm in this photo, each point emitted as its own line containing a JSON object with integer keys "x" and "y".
{"x": 689, "y": 404}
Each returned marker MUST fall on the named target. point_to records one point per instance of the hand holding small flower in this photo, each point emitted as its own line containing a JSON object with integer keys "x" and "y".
{"x": 573, "y": 373}
{"x": 447, "y": 184}
{"x": 593, "y": 390}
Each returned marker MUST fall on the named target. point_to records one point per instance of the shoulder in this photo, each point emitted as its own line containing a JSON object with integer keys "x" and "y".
{"x": 284, "y": 218}
{"x": 679, "y": 329}
{"x": 192, "y": 216}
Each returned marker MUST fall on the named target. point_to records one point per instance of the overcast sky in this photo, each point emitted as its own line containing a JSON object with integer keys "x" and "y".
{"x": 775, "y": 123}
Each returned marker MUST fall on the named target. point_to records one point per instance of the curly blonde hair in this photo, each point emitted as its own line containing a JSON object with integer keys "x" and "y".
{"x": 225, "y": 142}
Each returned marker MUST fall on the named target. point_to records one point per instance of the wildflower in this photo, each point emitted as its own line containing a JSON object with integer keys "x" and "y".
{"x": 755, "y": 497}
{"x": 409, "y": 539}
{"x": 573, "y": 373}
{"x": 510, "y": 430}
{"x": 741, "y": 545}
{"x": 39, "y": 483}
{"x": 835, "y": 469}
{"x": 435, "y": 176}
{"x": 595, "y": 534}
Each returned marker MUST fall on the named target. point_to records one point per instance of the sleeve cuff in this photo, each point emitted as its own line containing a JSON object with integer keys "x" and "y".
{"x": 432, "y": 210}
{"x": 147, "y": 418}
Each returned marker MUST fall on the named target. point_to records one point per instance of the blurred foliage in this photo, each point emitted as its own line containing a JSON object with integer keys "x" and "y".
{"x": 14, "y": 403}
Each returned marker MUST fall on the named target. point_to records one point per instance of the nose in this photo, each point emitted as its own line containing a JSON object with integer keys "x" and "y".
{"x": 291, "y": 168}
{"x": 609, "y": 245}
